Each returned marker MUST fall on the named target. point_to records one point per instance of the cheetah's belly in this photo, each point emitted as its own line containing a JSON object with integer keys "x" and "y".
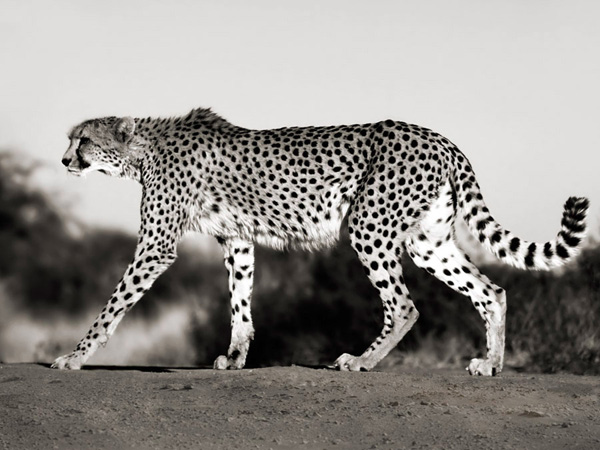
{"x": 311, "y": 230}
{"x": 322, "y": 232}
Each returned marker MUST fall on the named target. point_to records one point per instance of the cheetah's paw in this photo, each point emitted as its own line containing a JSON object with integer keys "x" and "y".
{"x": 483, "y": 367}
{"x": 72, "y": 361}
{"x": 223, "y": 362}
{"x": 351, "y": 363}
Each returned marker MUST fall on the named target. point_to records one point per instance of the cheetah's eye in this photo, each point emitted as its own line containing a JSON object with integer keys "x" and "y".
{"x": 84, "y": 140}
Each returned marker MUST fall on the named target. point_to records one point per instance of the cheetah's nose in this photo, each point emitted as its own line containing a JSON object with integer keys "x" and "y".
{"x": 66, "y": 162}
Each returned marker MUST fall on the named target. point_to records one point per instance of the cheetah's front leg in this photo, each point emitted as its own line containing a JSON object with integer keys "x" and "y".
{"x": 139, "y": 276}
{"x": 239, "y": 261}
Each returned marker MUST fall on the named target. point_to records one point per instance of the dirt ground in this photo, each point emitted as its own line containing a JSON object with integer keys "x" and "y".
{"x": 294, "y": 407}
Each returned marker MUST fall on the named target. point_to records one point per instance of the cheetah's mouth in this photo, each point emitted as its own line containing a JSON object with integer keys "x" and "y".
{"x": 74, "y": 171}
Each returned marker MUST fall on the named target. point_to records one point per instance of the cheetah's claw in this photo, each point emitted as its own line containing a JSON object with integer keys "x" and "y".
{"x": 482, "y": 367}
{"x": 72, "y": 361}
{"x": 222, "y": 363}
{"x": 347, "y": 362}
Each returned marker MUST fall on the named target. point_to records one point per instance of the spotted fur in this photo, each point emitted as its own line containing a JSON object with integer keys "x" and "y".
{"x": 401, "y": 187}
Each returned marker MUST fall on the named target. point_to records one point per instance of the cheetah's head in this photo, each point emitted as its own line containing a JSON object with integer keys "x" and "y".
{"x": 107, "y": 145}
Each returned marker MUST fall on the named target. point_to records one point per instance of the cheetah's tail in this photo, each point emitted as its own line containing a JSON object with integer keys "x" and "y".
{"x": 509, "y": 248}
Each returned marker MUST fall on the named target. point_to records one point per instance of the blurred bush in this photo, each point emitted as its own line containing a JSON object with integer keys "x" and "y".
{"x": 308, "y": 308}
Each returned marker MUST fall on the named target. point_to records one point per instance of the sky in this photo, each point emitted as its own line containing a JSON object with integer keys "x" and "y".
{"x": 514, "y": 84}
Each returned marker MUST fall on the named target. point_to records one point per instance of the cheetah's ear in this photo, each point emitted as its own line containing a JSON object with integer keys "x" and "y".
{"x": 125, "y": 128}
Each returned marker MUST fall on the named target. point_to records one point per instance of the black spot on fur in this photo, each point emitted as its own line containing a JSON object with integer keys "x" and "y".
{"x": 529, "y": 262}
{"x": 561, "y": 251}
{"x": 514, "y": 244}
{"x": 571, "y": 241}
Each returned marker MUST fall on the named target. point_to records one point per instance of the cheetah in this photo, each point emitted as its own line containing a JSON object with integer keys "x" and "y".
{"x": 401, "y": 188}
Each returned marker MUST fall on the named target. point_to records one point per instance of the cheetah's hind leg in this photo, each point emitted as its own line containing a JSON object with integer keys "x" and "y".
{"x": 449, "y": 264}
{"x": 381, "y": 262}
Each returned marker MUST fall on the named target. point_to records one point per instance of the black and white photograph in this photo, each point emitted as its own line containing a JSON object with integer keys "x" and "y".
{"x": 317, "y": 224}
